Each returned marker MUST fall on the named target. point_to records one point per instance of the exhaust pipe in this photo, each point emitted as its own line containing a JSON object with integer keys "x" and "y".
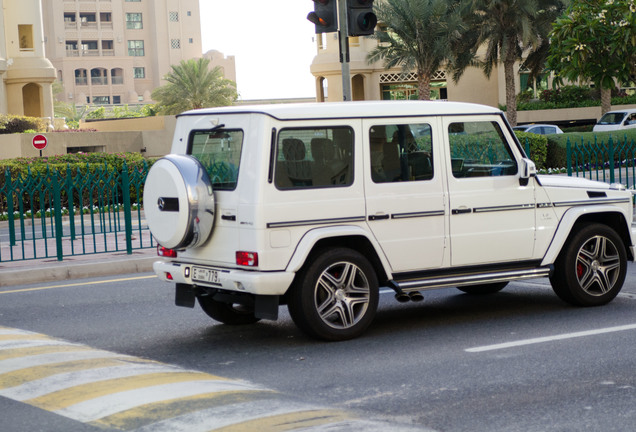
{"x": 416, "y": 296}
{"x": 402, "y": 297}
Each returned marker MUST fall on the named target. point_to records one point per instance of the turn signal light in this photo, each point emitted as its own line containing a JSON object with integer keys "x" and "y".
{"x": 249, "y": 259}
{"x": 165, "y": 252}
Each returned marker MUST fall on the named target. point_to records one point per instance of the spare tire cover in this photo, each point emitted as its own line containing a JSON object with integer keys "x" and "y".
{"x": 179, "y": 202}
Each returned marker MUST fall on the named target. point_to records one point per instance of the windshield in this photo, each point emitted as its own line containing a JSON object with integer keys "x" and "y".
{"x": 520, "y": 128}
{"x": 219, "y": 151}
{"x": 612, "y": 118}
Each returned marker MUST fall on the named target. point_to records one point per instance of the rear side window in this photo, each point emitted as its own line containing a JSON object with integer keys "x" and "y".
{"x": 401, "y": 153}
{"x": 314, "y": 158}
{"x": 219, "y": 151}
{"x": 479, "y": 149}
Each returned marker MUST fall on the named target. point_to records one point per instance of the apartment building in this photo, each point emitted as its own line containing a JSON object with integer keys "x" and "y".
{"x": 25, "y": 87}
{"x": 118, "y": 51}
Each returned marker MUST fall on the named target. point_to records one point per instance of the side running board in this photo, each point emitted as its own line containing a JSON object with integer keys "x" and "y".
{"x": 455, "y": 280}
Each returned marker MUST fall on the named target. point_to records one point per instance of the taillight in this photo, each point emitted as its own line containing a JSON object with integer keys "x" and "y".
{"x": 165, "y": 252}
{"x": 249, "y": 259}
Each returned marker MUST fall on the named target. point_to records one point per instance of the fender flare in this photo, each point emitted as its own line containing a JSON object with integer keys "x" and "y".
{"x": 568, "y": 221}
{"x": 313, "y": 236}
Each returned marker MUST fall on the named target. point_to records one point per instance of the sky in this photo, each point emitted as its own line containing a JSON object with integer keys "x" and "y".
{"x": 272, "y": 42}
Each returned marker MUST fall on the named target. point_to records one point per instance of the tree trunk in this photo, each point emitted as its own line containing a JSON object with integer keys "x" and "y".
{"x": 423, "y": 85}
{"x": 511, "y": 93}
{"x": 606, "y": 100}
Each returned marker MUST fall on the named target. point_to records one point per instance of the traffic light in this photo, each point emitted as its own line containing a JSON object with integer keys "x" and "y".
{"x": 325, "y": 16}
{"x": 362, "y": 20}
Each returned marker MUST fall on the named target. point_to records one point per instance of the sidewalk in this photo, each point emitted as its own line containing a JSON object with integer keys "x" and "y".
{"x": 76, "y": 267}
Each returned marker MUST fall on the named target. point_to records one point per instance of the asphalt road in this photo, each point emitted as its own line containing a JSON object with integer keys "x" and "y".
{"x": 520, "y": 360}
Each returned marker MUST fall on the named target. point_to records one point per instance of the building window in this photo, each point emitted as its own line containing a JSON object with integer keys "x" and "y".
{"x": 173, "y": 16}
{"x": 25, "y": 32}
{"x": 133, "y": 21}
{"x": 139, "y": 72}
{"x": 191, "y": 40}
{"x": 136, "y": 48}
{"x": 101, "y": 100}
{"x": 175, "y": 43}
{"x": 80, "y": 77}
{"x": 116, "y": 77}
{"x": 189, "y": 13}
{"x": 116, "y": 100}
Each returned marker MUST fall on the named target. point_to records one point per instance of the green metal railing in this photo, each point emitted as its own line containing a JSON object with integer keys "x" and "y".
{"x": 611, "y": 161}
{"x": 57, "y": 214}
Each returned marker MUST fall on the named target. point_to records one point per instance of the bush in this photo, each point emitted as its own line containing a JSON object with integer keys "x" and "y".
{"x": 538, "y": 147}
{"x": 10, "y": 124}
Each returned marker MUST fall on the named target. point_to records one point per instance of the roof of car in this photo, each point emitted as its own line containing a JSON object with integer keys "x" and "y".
{"x": 351, "y": 109}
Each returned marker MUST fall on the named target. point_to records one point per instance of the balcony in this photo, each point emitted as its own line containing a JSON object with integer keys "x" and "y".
{"x": 72, "y": 53}
{"x": 99, "y": 80}
{"x": 90, "y": 53}
{"x": 108, "y": 52}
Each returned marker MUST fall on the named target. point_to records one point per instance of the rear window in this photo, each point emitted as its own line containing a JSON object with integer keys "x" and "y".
{"x": 219, "y": 151}
{"x": 314, "y": 158}
{"x": 612, "y": 118}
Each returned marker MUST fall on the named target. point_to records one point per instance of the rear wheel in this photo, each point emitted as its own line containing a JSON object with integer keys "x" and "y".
{"x": 590, "y": 270}
{"x": 482, "y": 289}
{"x": 227, "y": 313}
{"x": 336, "y": 296}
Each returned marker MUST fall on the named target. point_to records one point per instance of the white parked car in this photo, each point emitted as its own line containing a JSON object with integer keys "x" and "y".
{"x": 317, "y": 206}
{"x": 541, "y": 129}
{"x": 616, "y": 120}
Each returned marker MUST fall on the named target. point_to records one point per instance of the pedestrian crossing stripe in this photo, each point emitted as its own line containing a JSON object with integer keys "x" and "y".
{"x": 111, "y": 390}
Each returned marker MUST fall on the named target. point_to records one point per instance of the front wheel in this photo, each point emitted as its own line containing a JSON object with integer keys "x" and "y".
{"x": 591, "y": 269}
{"x": 227, "y": 313}
{"x": 336, "y": 296}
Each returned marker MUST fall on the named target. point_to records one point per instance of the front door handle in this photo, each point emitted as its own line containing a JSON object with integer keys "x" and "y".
{"x": 461, "y": 211}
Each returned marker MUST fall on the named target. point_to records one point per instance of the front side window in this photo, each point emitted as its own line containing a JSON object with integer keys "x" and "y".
{"x": 314, "y": 158}
{"x": 479, "y": 149}
{"x": 219, "y": 151}
{"x": 401, "y": 152}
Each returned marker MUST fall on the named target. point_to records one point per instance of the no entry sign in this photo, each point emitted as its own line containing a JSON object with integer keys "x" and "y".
{"x": 39, "y": 142}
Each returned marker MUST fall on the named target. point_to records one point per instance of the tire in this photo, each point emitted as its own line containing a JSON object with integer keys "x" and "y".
{"x": 335, "y": 296}
{"x": 227, "y": 313}
{"x": 482, "y": 289}
{"x": 591, "y": 268}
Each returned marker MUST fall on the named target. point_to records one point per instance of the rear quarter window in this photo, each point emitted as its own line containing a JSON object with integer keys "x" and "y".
{"x": 314, "y": 158}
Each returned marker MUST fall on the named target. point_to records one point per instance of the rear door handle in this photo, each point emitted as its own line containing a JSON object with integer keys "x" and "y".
{"x": 461, "y": 211}
{"x": 378, "y": 217}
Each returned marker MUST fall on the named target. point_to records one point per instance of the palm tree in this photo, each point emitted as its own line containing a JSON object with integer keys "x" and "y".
{"x": 508, "y": 29}
{"x": 418, "y": 35}
{"x": 192, "y": 85}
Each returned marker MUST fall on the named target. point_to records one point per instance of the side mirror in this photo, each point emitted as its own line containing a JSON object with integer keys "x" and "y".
{"x": 527, "y": 169}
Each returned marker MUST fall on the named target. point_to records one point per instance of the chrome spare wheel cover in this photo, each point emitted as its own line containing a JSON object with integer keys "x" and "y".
{"x": 598, "y": 265}
{"x": 179, "y": 202}
{"x": 341, "y": 295}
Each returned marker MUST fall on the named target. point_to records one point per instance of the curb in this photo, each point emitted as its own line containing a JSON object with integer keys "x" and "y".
{"x": 106, "y": 266}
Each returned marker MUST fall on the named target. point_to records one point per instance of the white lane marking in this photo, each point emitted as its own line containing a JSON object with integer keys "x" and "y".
{"x": 551, "y": 338}
{"x": 44, "y": 386}
{"x": 199, "y": 421}
{"x": 15, "y": 364}
{"x": 104, "y": 406}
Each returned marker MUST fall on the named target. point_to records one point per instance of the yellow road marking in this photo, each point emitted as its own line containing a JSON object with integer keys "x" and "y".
{"x": 77, "y": 284}
{"x": 37, "y": 350}
{"x": 73, "y": 395}
{"x": 8, "y": 337}
{"x": 287, "y": 422}
{"x": 22, "y": 376}
{"x": 158, "y": 411}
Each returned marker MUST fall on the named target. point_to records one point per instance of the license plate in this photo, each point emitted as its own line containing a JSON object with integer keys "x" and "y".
{"x": 205, "y": 275}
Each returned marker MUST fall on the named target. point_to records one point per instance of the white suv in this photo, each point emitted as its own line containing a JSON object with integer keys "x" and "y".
{"x": 318, "y": 205}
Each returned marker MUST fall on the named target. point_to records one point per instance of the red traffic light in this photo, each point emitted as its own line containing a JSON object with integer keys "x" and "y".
{"x": 324, "y": 16}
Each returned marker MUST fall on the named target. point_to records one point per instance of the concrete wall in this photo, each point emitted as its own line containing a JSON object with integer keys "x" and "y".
{"x": 154, "y": 134}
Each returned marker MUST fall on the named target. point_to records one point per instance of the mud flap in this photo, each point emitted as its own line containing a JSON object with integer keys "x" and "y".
{"x": 184, "y": 296}
{"x": 266, "y": 307}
